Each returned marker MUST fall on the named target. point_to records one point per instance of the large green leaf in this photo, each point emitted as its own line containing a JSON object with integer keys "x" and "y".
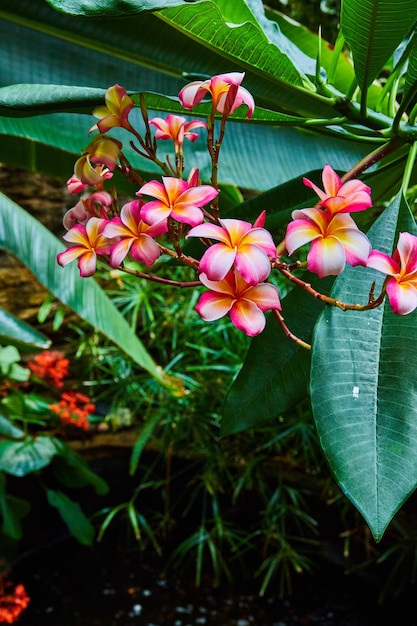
{"x": 110, "y": 7}
{"x": 12, "y": 510}
{"x": 19, "y": 458}
{"x": 363, "y": 393}
{"x": 35, "y": 246}
{"x": 78, "y": 524}
{"x": 17, "y": 333}
{"x": 410, "y": 87}
{"x": 123, "y": 50}
{"x": 373, "y": 29}
{"x": 276, "y": 371}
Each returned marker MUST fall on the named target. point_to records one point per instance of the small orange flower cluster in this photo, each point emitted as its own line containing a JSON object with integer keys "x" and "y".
{"x": 73, "y": 409}
{"x": 12, "y": 604}
{"x": 50, "y": 366}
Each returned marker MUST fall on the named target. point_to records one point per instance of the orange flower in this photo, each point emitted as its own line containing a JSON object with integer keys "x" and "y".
{"x": 12, "y": 604}
{"x": 50, "y": 366}
{"x": 73, "y": 409}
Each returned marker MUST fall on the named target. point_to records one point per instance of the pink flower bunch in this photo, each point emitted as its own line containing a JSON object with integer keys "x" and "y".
{"x": 233, "y": 268}
{"x": 334, "y": 236}
{"x": 225, "y": 90}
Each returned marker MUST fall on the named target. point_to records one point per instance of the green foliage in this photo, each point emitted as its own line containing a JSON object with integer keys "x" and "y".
{"x": 339, "y": 116}
{"x": 70, "y": 511}
{"x": 366, "y": 429}
{"x": 21, "y": 335}
{"x": 28, "y": 239}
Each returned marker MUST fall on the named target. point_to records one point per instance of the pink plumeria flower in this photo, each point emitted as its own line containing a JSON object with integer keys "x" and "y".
{"x": 339, "y": 197}
{"x": 219, "y": 87}
{"x": 74, "y": 185}
{"x": 177, "y": 128}
{"x": 135, "y": 236}
{"x": 175, "y": 198}
{"x": 245, "y": 303}
{"x": 402, "y": 267}
{"x": 116, "y": 110}
{"x": 96, "y": 205}
{"x": 248, "y": 248}
{"x": 335, "y": 241}
{"x": 98, "y": 160}
{"x": 89, "y": 242}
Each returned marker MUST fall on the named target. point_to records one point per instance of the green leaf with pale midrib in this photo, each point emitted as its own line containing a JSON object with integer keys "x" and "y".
{"x": 37, "y": 248}
{"x": 17, "y": 333}
{"x": 109, "y": 8}
{"x": 373, "y": 29}
{"x": 364, "y": 401}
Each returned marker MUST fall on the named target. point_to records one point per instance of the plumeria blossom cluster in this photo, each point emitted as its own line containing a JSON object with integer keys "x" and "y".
{"x": 238, "y": 256}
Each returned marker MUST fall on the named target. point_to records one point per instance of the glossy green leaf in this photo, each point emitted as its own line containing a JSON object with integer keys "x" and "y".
{"x": 8, "y": 429}
{"x": 110, "y": 7}
{"x": 78, "y": 524}
{"x": 410, "y": 87}
{"x": 23, "y": 457}
{"x": 19, "y": 334}
{"x": 275, "y": 373}
{"x": 123, "y": 51}
{"x": 35, "y": 246}
{"x": 12, "y": 510}
{"x": 373, "y": 29}
{"x": 362, "y": 387}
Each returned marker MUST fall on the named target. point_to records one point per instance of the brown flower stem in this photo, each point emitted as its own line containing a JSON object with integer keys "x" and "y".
{"x": 372, "y": 303}
{"x": 370, "y": 159}
{"x": 160, "y": 279}
{"x": 185, "y": 260}
{"x": 288, "y": 333}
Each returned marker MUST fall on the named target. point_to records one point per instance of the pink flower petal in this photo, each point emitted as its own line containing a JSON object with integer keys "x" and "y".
{"x": 402, "y": 297}
{"x": 193, "y": 93}
{"x": 87, "y": 264}
{"x": 116, "y": 228}
{"x": 226, "y": 286}
{"x": 253, "y": 264}
{"x": 326, "y": 257}
{"x": 187, "y": 214}
{"x": 198, "y": 196}
{"x": 300, "y": 232}
{"x": 262, "y": 239}
{"x": 145, "y": 249}
{"x": 235, "y": 229}
{"x": 154, "y": 189}
{"x": 265, "y": 296}
{"x": 246, "y": 316}
{"x": 77, "y": 234}
{"x": 212, "y": 306}
{"x": 209, "y": 231}
{"x": 356, "y": 244}
{"x": 331, "y": 181}
{"x": 63, "y": 258}
{"x": 119, "y": 251}
{"x": 383, "y": 263}
{"x": 407, "y": 253}
{"x": 154, "y": 212}
{"x": 217, "y": 261}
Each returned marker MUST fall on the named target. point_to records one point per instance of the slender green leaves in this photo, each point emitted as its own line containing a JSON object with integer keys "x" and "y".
{"x": 35, "y": 246}
{"x": 373, "y": 29}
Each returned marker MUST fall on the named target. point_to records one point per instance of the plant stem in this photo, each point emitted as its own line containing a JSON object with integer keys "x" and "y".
{"x": 411, "y": 159}
{"x": 288, "y": 333}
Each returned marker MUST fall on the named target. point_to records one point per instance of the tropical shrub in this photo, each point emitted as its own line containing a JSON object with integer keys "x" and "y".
{"x": 305, "y": 110}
